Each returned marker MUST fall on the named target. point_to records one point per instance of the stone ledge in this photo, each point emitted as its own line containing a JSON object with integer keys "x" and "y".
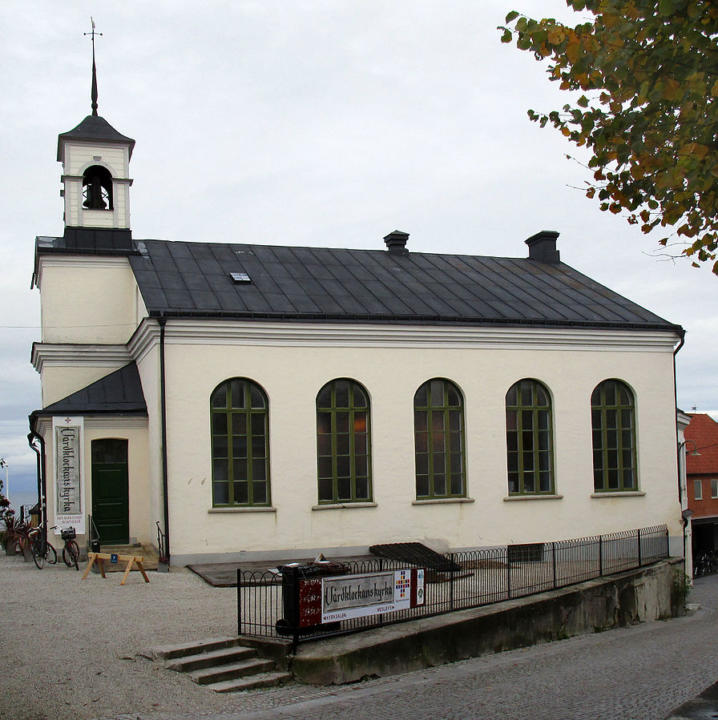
{"x": 630, "y": 597}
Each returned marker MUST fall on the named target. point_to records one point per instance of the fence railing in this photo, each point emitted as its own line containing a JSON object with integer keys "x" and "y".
{"x": 475, "y": 578}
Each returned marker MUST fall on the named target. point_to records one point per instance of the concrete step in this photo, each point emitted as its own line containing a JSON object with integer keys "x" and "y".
{"x": 231, "y": 671}
{"x": 223, "y": 664}
{"x": 212, "y": 658}
{"x": 251, "y": 682}
{"x": 170, "y": 652}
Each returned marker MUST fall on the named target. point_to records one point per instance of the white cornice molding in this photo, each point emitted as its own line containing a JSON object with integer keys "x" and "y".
{"x": 96, "y": 422}
{"x": 63, "y": 260}
{"x": 238, "y": 332}
{"x": 144, "y": 339}
{"x": 63, "y": 355}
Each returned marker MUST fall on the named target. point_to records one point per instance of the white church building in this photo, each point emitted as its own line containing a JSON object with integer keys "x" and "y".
{"x": 263, "y": 400}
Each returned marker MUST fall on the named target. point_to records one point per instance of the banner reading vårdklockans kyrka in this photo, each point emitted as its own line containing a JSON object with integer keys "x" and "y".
{"x": 69, "y": 473}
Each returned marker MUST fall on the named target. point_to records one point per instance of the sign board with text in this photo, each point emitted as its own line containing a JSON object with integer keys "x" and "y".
{"x": 69, "y": 473}
{"x": 342, "y": 597}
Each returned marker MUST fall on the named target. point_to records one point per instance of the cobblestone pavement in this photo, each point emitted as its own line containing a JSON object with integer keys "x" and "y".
{"x": 638, "y": 673}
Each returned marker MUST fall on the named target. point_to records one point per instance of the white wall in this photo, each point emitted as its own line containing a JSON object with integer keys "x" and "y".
{"x": 87, "y": 299}
{"x": 77, "y": 157}
{"x": 134, "y": 430}
{"x": 292, "y": 370}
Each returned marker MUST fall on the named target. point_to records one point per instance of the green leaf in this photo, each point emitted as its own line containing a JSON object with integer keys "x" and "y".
{"x": 507, "y": 36}
{"x": 511, "y": 16}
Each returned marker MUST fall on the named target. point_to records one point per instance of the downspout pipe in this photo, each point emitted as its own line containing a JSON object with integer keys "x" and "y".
{"x": 675, "y": 405}
{"x": 163, "y": 409}
{"x": 678, "y": 445}
{"x": 32, "y": 438}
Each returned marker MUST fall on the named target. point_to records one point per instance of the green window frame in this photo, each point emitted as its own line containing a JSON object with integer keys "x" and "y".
{"x": 529, "y": 439}
{"x": 439, "y": 442}
{"x": 614, "y": 437}
{"x": 239, "y": 411}
{"x": 343, "y": 443}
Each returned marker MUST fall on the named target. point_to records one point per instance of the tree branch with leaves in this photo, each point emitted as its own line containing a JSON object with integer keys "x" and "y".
{"x": 648, "y": 74}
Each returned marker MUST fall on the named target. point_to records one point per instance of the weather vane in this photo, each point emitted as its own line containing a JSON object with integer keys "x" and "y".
{"x": 93, "y": 93}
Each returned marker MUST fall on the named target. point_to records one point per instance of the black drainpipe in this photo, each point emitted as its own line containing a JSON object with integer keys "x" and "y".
{"x": 41, "y": 480}
{"x": 163, "y": 402}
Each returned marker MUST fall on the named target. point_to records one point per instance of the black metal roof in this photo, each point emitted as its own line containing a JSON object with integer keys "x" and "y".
{"x": 119, "y": 393}
{"x": 192, "y": 279}
{"x": 94, "y": 129}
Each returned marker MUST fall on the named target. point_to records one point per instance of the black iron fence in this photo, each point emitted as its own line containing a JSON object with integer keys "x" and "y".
{"x": 473, "y": 578}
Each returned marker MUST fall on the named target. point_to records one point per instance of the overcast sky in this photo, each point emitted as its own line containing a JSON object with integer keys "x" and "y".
{"x": 310, "y": 122}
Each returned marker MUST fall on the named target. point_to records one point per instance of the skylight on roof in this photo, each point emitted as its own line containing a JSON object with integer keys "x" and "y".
{"x": 240, "y": 277}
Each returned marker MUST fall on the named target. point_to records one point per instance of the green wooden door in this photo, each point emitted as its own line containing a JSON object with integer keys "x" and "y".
{"x": 110, "y": 491}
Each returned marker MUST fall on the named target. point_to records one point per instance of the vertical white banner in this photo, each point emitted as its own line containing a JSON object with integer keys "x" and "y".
{"x": 69, "y": 473}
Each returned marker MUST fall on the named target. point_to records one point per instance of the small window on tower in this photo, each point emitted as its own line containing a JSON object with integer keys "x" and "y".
{"x": 97, "y": 188}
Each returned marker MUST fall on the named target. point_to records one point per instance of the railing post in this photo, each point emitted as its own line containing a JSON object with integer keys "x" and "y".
{"x": 668, "y": 544}
{"x": 239, "y": 601}
{"x": 380, "y": 620}
{"x": 639, "y": 548}
{"x": 553, "y": 557}
{"x": 508, "y": 574}
{"x": 451, "y": 583}
{"x": 600, "y": 555}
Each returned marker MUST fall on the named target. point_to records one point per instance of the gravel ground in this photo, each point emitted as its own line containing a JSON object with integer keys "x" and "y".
{"x": 70, "y": 646}
{"x": 71, "y": 650}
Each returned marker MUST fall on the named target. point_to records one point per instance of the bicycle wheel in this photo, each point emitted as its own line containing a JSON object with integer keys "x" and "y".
{"x": 71, "y": 554}
{"x": 50, "y": 554}
{"x": 37, "y": 554}
{"x": 66, "y": 557}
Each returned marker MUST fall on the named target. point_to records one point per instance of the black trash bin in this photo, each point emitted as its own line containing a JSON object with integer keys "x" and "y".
{"x": 292, "y": 575}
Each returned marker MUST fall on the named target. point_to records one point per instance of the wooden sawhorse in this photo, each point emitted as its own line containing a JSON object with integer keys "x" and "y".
{"x": 129, "y": 559}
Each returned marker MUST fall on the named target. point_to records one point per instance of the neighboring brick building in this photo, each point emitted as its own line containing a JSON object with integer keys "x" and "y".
{"x": 702, "y": 471}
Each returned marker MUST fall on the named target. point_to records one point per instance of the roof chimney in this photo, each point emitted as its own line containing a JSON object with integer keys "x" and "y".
{"x": 542, "y": 247}
{"x": 396, "y": 242}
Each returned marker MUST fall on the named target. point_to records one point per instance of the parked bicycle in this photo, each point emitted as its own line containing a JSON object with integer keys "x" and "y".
{"x": 70, "y": 550}
{"x": 705, "y": 564}
{"x": 41, "y": 548}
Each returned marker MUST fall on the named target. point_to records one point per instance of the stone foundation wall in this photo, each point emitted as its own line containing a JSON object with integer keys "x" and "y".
{"x": 643, "y": 595}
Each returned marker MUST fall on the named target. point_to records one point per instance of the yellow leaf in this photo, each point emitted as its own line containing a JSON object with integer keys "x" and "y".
{"x": 573, "y": 50}
{"x": 672, "y": 89}
{"x": 556, "y": 36}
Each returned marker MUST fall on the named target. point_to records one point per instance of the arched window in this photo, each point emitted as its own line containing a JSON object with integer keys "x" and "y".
{"x": 439, "y": 440}
{"x": 614, "y": 437}
{"x": 97, "y": 188}
{"x": 529, "y": 440}
{"x": 343, "y": 443}
{"x": 240, "y": 444}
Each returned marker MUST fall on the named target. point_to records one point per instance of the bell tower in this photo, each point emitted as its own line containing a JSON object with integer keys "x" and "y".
{"x": 95, "y": 173}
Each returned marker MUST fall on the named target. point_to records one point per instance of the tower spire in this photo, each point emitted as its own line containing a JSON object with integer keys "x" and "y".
{"x": 93, "y": 91}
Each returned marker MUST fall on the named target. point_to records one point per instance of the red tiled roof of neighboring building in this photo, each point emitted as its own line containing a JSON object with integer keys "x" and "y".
{"x": 702, "y": 435}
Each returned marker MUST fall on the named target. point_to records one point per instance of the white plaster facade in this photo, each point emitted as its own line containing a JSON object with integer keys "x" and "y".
{"x": 292, "y": 361}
